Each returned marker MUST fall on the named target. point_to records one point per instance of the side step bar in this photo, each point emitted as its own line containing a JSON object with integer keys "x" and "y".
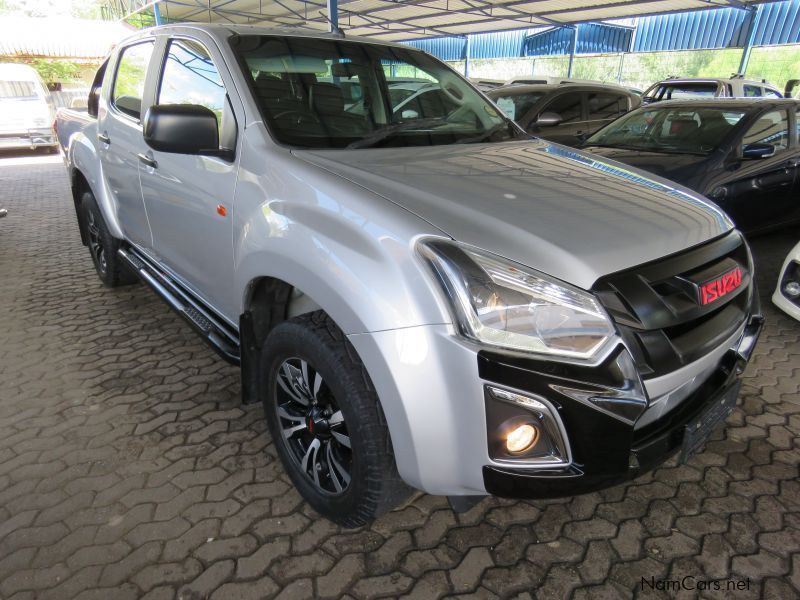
{"x": 219, "y": 336}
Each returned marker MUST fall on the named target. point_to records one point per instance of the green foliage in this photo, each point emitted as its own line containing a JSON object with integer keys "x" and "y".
{"x": 56, "y": 71}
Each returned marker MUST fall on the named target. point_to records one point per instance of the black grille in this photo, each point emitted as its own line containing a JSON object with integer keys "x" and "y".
{"x": 658, "y": 312}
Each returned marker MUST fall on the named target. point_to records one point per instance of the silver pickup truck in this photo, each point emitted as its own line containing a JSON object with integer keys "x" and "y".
{"x": 426, "y": 298}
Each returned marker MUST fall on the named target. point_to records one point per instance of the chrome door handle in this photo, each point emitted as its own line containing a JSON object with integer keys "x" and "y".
{"x": 143, "y": 158}
{"x": 104, "y": 138}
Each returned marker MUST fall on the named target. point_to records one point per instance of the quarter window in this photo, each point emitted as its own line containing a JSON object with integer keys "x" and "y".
{"x": 129, "y": 81}
{"x": 752, "y": 91}
{"x": 605, "y": 106}
{"x": 771, "y": 128}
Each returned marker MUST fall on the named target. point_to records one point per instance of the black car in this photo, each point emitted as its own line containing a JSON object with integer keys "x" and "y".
{"x": 741, "y": 153}
{"x": 566, "y": 113}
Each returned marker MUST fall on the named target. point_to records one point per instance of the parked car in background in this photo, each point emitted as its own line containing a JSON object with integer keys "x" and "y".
{"x": 439, "y": 303}
{"x": 564, "y": 113}
{"x": 787, "y": 292}
{"x": 732, "y": 87}
{"x": 26, "y": 109}
{"x": 742, "y": 154}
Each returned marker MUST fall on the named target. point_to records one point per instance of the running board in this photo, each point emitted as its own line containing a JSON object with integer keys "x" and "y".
{"x": 222, "y": 338}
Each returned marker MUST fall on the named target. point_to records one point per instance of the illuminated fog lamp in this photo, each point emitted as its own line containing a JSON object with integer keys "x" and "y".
{"x": 792, "y": 289}
{"x": 521, "y": 438}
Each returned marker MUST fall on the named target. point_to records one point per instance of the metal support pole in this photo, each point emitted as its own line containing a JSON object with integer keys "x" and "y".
{"x": 157, "y": 13}
{"x": 750, "y": 23}
{"x": 466, "y": 56}
{"x": 333, "y": 15}
{"x": 572, "y": 49}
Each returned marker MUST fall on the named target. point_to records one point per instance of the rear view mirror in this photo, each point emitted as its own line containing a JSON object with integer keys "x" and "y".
{"x": 548, "y": 119}
{"x": 758, "y": 150}
{"x": 409, "y": 114}
{"x": 182, "y": 129}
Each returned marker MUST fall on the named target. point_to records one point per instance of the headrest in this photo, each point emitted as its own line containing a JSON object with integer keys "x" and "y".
{"x": 272, "y": 89}
{"x": 326, "y": 99}
{"x": 683, "y": 126}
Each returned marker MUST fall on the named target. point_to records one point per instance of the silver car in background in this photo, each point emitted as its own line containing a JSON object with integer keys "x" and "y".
{"x": 26, "y": 109}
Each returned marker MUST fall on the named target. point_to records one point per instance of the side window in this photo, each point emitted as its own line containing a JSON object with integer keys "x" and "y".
{"x": 752, "y": 91}
{"x": 604, "y": 106}
{"x": 128, "y": 89}
{"x": 567, "y": 106}
{"x": 771, "y": 128}
{"x": 190, "y": 77}
{"x": 772, "y": 93}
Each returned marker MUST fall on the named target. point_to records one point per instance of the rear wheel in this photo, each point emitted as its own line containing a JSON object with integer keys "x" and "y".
{"x": 326, "y": 422}
{"x": 102, "y": 245}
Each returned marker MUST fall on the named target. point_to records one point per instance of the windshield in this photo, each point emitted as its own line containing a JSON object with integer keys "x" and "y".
{"x": 18, "y": 90}
{"x": 515, "y": 105}
{"x": 683, "y": 130}
{"x": 330, "y": 93}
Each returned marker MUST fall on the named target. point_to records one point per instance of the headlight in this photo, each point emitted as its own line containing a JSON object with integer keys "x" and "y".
{"x": 499, "y": 303}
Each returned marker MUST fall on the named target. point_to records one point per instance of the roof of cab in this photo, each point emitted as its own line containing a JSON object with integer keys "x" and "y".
{"x": 516, "y": 89}
{"x": 723, "y": 103}
{"x": 225, "y": 30}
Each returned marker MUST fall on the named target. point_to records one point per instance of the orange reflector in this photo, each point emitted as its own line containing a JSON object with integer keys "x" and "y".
{"x": 221, "y": 210}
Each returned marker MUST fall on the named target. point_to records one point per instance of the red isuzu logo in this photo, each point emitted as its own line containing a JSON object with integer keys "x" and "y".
{"x": 723, "y": 285}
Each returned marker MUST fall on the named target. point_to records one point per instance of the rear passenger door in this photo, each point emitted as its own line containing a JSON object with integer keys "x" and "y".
{"x": 189, "y": 198}
{"x": 567, "y": 107}
{"x": 120, "y": 141}
{"x": 603, "y": 107}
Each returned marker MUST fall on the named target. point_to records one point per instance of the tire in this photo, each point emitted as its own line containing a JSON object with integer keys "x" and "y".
{"x": 102, "y": 245}
{"x": 308, "y": 359}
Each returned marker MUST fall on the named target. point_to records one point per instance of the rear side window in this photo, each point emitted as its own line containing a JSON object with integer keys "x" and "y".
{"x": 603, "y": 106}
{"x": 772, "y": 93}
{"x": 752, "y": 91}
{"x": 771, "y": 128}
{"x": 129, "y": 82}
{"x": 566, "y": 106}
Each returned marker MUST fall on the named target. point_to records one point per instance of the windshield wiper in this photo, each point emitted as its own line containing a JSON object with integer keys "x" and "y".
{"x": 388, "y": 131}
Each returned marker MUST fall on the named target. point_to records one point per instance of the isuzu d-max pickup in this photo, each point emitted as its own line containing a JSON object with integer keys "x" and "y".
{"x": 426, "y": 298}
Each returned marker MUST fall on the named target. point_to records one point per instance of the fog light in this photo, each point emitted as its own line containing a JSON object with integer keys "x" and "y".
{"x": 521, "y": 438}
{"x": 792, "y": 289}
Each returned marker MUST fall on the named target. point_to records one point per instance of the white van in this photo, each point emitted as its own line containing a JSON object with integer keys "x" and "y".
{"x": 26, "y": 109}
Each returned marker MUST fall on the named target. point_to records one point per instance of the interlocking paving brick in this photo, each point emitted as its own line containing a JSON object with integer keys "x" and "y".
{"x": 129, "y": 468}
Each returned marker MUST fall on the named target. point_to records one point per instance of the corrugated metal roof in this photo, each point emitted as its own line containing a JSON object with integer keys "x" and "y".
{"x": 59, "y": 38}
{"x": 411, "y": 19}
{"x": 718, "y": 28}
{"x": 504, "y": 44}
{"x": 593, "y": 38}
{"x": 778, "y": 23}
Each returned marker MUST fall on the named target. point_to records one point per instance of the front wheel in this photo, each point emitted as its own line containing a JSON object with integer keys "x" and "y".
{"x": 327, "y": 423}
{"x": 102, "y": 245}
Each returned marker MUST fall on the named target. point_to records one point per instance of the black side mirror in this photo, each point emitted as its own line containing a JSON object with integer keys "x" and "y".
{"x": 758, "y": 150}
{"x": 182, "y": 129}
{"x": 548, "y": 119}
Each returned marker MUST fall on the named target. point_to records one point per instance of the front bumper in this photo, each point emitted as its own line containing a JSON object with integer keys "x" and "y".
{"x": 606, "y": 451}
{"x": 432, "y": 388}
{"x": 32, "y": 138}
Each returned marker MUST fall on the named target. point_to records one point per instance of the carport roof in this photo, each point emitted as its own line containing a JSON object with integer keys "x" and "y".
{"x": 409, "y": 19}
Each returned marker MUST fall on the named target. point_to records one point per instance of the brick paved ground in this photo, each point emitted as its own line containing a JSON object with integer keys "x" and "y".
{"x": 129, "y": 469}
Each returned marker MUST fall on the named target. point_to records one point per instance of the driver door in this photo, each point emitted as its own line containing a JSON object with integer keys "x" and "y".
{"x": 761, "y": 191}
{"x": 189, "y": 198}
